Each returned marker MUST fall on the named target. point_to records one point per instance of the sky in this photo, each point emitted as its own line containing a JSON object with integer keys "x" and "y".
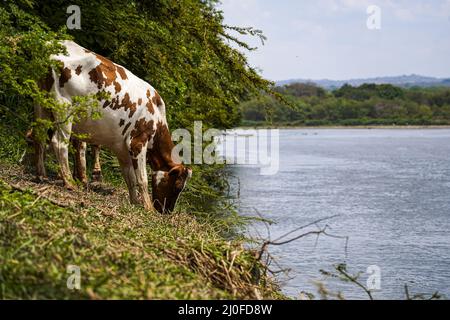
{"x": 318, "y": 39}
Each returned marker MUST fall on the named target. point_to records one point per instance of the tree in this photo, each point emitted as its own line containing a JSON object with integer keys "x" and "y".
{"x": 302, "y": 90}
{"x": 181, "y": 47}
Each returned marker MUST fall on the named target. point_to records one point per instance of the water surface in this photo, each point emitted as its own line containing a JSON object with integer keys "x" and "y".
{"x": 391, "y": 190}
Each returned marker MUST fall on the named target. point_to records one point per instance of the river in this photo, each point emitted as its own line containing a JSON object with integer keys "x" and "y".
{"x": 389, "y": 193}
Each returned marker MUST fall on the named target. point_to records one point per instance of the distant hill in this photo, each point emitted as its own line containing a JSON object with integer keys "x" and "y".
{"x": 401, "y": 81}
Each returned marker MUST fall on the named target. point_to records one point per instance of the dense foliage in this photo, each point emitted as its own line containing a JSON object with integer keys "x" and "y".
{"x": 182, "y": 48}
{"x": 369, "y": 104}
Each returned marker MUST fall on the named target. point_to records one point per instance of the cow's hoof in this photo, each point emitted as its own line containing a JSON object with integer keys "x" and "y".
{"x": 97, "y": 176}
{"x": 149, "y": 207}
{"x": 70, "y": 187}
{"x": 40, "y": 179}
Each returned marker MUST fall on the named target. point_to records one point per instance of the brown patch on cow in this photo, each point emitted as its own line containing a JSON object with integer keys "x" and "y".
{"x": 126, "y": 103}
{"x": 139, "y": 101}
{"x": 105, "y": 74}
{"x": 122, "y": 122}
{"x": 135, "y": 163}
{"x": 46, "y": 84}
{"x": 65, "y": 76}
{"x": 102, "y": 75}
{"x": 143, "y": 131}
{"x": 160, "y": 155}
{"x": 117, "y": 87}
{"x": 157, "y": 99}
{"x": 93, "y": 76}
{"x": 126, "y": 128}
{"x": 121, "y": 72}
{"x": 114, "y": 103}
{"x": 78, "y": 70}
{"x": 150, "y": 107}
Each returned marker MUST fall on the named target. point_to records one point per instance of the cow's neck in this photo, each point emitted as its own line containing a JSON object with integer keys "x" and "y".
{"x": 160, "y": 153}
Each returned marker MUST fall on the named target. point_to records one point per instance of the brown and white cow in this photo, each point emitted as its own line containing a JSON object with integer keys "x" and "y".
{"x": 132, "y": 125}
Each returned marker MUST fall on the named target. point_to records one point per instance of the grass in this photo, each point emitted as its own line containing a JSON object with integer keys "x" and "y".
{"x": 123, "y": 251}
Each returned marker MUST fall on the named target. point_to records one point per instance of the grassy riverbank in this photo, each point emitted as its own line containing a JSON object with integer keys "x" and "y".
{"x": 123, "y": 252}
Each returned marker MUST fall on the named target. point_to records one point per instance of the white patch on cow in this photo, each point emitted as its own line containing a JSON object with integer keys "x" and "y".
{"x": 152, "y": 139}
{"x": 160, "y": 175}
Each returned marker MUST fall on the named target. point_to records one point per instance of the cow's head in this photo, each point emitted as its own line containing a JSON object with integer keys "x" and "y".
{"x": 167, "y": 186}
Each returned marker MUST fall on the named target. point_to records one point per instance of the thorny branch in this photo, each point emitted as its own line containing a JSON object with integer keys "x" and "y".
{"x": 353, "y": 279}
{"x": 421, "y": 296}
{"x": 282, "y": 240}
{"x": 279, "y": 241}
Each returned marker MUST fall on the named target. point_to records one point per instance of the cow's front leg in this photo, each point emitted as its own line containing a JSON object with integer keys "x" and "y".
{"x": 97, "y": 170}
{"x": 60, "y": 143}
{"x": 80, "y": 161}
{"x": 126, "y": 166}
{"x": 140, "y": 169}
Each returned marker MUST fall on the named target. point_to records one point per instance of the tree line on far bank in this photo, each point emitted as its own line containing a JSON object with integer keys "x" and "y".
{"x": 368, "y": 104}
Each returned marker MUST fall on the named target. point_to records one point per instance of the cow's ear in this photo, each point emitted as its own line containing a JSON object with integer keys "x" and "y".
{"x": 176, "y": 171}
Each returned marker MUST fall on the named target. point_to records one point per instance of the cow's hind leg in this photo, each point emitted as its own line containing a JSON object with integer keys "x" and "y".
{"x": 39, "y": 158}
{"x": 39, "y": 146}
{"x": 80, "y": 161}
{"x": 97, "y": 170}
{"x": 60, "y": 143}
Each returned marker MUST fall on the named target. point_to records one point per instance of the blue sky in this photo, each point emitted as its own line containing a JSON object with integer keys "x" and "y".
{"x": 318, "y": 39}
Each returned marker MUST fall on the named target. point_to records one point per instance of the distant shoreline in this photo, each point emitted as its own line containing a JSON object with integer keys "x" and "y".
{"x": 369, "y": 127}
